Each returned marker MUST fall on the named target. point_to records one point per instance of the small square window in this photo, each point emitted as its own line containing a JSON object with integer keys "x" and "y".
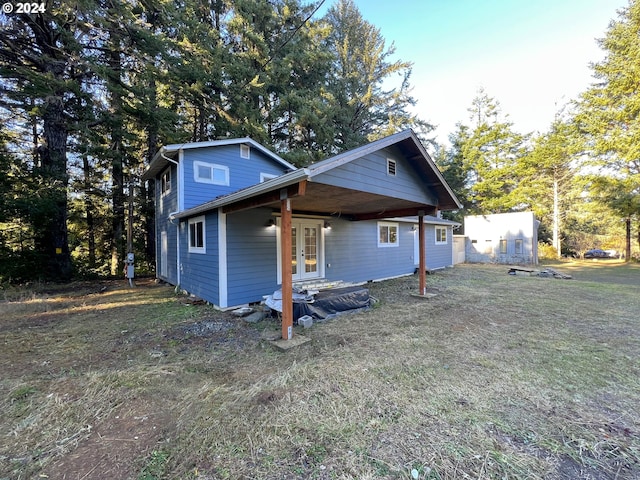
{"x": 387, "y": 234}
{"x": 245, "y": 151}
{"x": 441, "y": 235}
{"x": 391, "y": 167}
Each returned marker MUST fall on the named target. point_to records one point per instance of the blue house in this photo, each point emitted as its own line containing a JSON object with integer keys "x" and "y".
{"x": 235, "y": 222}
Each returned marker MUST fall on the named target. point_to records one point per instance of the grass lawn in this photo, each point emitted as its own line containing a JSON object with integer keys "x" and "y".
{"x": 497, "y": 377}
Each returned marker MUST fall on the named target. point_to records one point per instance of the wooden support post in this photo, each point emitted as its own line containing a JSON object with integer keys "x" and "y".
{"x": 422, "y": 265}
{"x": 287, "y": 282}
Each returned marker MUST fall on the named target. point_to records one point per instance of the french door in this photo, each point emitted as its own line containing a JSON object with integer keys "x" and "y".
{"x": 306, "y": 250}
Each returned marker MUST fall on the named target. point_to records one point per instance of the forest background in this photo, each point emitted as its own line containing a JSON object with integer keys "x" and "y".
{"x": 90, "y": 90}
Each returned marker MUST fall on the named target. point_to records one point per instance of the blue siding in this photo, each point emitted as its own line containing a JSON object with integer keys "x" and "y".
{"x": 353, "y": 254}
{"x": 199, "y": 272}
{"x": 441, "y": 255}
{"x": 251, "y": 256}
{"x": 369, "y": 173}
{"x": 243, "y": 172}
{"x": 166, "y": 204}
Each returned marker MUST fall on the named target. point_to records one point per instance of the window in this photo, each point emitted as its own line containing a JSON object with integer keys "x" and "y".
{"x": 210, "y": 173}
{"x": 266, "y": 176}
{"x": 165, "y": 182}
{"x": 503, "y": 246}
{"x": 391, "y": 167}
{"x": 387, "y": 234}
{"x": 518, "y": 246}
{"x": 197, "y": 238}
{"x": 441, "y": 235}
{"x": 245, "y": 151}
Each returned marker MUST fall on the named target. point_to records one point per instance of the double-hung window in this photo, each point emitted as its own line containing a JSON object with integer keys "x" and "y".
{"x": 441, "y": 235}
{"x": 197, "y": 235}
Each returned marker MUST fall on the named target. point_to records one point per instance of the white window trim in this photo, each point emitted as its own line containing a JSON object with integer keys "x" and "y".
{"x": 168, "y": 184}
{"x": 245, "y": 151}
{"x": 446, "y": 236}
{"x": 192, "y": 221}
{"x": 388, "y": 244}
{"x": 266, "y": 176}
{"x": 212, "y": 166}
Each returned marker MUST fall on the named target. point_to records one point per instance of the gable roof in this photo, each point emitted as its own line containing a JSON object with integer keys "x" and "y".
{"x": 167, "y": 153}
{"x": 411, "y": 146}
{"x": 322, "y": 198}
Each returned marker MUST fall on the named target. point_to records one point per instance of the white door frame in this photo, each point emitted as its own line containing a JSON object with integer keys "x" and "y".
{"x": 299, "y": 224}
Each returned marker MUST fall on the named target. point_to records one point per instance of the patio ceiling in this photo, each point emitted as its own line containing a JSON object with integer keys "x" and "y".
{"x": 313, "y": 198}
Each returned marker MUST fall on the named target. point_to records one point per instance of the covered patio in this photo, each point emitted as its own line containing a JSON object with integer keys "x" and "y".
{"x": 351, "y": 186}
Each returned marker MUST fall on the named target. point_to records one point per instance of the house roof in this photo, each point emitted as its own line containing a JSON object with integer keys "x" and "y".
{"x": 167, "y": 153}
{"x": 430, "y": 219}
{"x": 318, "y": 197}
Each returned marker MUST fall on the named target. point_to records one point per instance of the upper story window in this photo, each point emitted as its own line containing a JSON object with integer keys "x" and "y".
{"x": 387, "y": 234}
{"x": 210, "y": 173}
{"x": 391, "y": 167}
{"x": 266, "y": 176}
{"x": 245, "y": 151}
{"x": 197, "y": 235}
{"x": 441, "y": 235}
{"x": 165, "y": 182}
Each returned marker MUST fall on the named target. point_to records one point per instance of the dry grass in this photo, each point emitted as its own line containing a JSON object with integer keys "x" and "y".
{"x": 496, "y": 377}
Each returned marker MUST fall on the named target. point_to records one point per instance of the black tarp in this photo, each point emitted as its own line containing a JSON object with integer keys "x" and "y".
{"x": 331, "y": 302}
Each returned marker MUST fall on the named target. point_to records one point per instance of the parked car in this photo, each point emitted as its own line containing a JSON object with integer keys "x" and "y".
{"x": 596, "y": 253}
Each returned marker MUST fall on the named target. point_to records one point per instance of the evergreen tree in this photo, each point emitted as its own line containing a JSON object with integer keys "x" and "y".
{"x": 490, "y": 151}
{"x": 609, "y": 118}
{"x": 362, "y": 109}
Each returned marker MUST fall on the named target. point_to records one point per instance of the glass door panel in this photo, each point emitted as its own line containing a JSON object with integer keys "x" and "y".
{"x": 310, "y": 250}
{"x": 294, "y": 252}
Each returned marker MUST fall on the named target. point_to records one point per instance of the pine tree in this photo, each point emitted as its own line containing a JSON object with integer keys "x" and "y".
{"x": 490, "y": 151}
{"x": 610, "y": 118}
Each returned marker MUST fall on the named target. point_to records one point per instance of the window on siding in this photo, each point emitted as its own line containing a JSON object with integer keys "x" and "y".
{"x": 210, "y": 173}
{"x": 245, "y": 151}
{"x": 387, "y": 234}
{"x": 503, "y": 246}
{"x": 266, "y": 176}
{"x": 518, "y": 246}
{"x": 165, "y": 182}
{"x": 391, "y": 167}
{"x": 197, "y": 237}
{"x": 441, "y": 235}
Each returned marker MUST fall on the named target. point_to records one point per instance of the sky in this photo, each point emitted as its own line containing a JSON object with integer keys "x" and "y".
{"x": 532, "y": 56}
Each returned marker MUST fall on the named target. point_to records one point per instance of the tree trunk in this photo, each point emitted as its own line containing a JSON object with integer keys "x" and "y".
{"x": 627, "y": 256}
{"x": 52, "y": 240}
{"x": 117, "y": 165}
{"x": 88, "y": 207}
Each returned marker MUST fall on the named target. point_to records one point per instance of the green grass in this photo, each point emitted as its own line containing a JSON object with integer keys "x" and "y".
{"x": 498, "y": 376}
